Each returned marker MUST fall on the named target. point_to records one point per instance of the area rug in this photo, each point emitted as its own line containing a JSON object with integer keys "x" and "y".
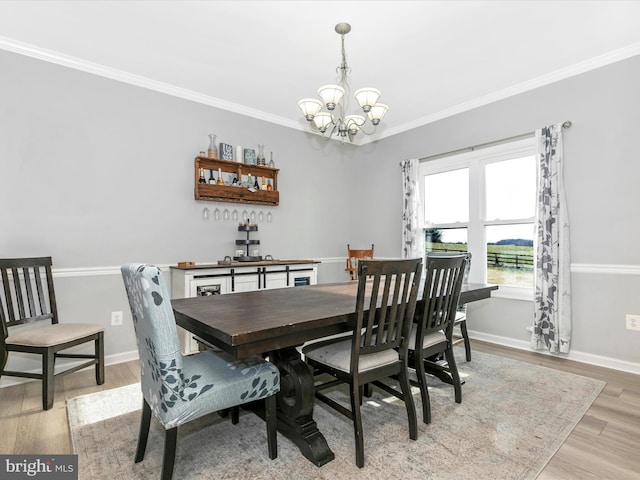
{"x": 512, "y": 419}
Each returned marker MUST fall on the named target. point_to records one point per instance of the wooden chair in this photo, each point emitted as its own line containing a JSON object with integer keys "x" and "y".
{"x": 377, "y": 349}
{"x": 353, "y": 257}
{"x": 431, "y": 333}
{"x": 177, "y": 388}
{"x": 461, "y": 312}
{"x": 28, "y": 298}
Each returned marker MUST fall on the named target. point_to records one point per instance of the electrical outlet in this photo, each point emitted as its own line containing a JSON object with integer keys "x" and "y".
{"x": 633, "y": 322}
{"x": 116, "y": 318}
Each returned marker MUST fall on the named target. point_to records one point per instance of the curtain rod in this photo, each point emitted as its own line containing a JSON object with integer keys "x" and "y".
{"x": 565, "y": 124}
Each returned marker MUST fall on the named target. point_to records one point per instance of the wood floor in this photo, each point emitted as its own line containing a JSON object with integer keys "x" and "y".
{"x": 603, "y": 446}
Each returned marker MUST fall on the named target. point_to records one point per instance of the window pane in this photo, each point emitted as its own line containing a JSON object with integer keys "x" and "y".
{"x": 511, "y": 189}
{"x": 446, "y": 197}
{"x": 510, "y": 255}
{"x": 446, "y": 239}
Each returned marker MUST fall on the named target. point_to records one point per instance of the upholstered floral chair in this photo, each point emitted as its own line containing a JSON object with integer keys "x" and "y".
{"x": 177, "y": 388}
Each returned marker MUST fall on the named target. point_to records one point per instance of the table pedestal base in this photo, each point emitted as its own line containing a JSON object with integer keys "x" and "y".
{"x": 295, "y": 406}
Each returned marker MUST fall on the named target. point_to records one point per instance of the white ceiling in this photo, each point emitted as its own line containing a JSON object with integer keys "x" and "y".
{"x": 430, "y": 59}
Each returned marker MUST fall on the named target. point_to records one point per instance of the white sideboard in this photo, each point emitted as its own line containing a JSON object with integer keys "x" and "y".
{"x": 204, "y": 280}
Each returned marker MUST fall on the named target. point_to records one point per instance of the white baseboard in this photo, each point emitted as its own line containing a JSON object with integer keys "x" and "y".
{"x": 108, "y": 360}
{"x": 577, "y": 356}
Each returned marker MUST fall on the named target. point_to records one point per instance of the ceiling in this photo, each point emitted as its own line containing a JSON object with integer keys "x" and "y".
{"x": 430, "y": 59}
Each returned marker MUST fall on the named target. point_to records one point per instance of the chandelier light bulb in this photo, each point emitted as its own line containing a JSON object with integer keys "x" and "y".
{"x": 353, "y": 123}
{"x": 310, "y": 107}
{"x": 331, "y": 95}
{"x": 322, "y": 121}
{"x": 367, "y": 98}
{"x": 377, "y": 112}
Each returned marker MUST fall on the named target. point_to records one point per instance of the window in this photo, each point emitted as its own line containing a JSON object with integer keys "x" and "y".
{"x": 483, "y": 201}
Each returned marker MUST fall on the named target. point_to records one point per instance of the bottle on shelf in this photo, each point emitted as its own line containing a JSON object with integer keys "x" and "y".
{"x": 212, "y": 152}
{"x": 234, "y": 182}
{"x": 261, "y": 160}
{"x": 263, "y": 185}
{"x": 271, "y": 164}
{"x": 269, "y": 186}
{"x": 212, "y": 179}
{"x": 256, "y": 185}
{"x": 220, "y": 180}
{"x": 201, "y": 176}
{"x": 249, "y": 181}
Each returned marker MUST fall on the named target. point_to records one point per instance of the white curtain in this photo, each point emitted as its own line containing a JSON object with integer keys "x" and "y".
{"x": 412, "y": 233}
{"x": 552, "y": 301}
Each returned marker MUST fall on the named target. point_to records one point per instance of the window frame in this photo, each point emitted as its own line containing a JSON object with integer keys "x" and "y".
{"x": 475, "y": 160}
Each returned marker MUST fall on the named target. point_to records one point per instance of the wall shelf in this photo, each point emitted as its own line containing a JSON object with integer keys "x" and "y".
{"x": 232, "y": 194}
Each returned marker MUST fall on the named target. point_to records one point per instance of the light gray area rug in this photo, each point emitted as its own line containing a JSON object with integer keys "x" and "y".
{"x": 513, "y": 418}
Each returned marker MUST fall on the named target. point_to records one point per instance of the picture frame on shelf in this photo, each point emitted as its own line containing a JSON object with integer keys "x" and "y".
{"x": 226, "y": 152}
{"x": 249, "y": 156}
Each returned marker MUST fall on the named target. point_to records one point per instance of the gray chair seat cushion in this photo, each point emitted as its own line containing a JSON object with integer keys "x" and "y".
{"x": 429, "y": 340}
{"x": 338, "y": 355}
{"x": 53, "y": 334}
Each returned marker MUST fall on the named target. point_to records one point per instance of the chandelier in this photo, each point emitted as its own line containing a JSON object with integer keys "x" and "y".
{"x": 331, "y": 95}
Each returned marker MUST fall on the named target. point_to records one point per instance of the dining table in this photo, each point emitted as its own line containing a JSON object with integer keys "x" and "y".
{"x": 275, "y": 323}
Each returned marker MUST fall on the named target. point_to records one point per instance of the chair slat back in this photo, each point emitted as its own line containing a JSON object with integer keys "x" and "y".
{"x": 353, "y": 259}
{"x": 385, "y": 304}
{"x": 24, "y": 297}
{"x": 443, "y": 281}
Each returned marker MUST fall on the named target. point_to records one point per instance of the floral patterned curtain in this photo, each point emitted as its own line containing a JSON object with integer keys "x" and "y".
{"x": 412, "y": 233}
{"x": 552, "y": 301}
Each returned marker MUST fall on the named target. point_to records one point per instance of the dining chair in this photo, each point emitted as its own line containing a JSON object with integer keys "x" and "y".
{"x": 354, "y": 256}
{"x": 177, "y": 388}
{"x": 461, "y": 311}
{"x": 29, "y": 318}
{"x": 432, "y": 331}
{"x": 377, "y": 349}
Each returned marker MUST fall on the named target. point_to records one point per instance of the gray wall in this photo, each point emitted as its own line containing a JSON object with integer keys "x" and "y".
{"x": 97, "y": 173}
{"x": 602, "y": 170}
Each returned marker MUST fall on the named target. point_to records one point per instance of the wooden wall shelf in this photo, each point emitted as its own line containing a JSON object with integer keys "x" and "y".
{"x": 227, "y": 193}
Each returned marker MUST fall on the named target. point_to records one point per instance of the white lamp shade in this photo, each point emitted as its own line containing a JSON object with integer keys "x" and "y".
{"x": 377, "y": 112}
{"x": 367, "y": 97}
{"x": 310, "y": 107}
{"x": 354, "y": 122}
{"x": 331, "y": 95}
{"x": 322, "y": 120}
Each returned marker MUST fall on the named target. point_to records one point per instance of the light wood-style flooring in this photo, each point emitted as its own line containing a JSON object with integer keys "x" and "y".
{"x": 603, "y": 446}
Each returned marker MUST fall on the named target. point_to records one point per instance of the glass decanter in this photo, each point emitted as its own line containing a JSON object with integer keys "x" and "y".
{"x": 213, "y": 150}
{"x": 261, "y": 160}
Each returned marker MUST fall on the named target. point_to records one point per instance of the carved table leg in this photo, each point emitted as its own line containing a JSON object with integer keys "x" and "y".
{"x": 295, "y": 406}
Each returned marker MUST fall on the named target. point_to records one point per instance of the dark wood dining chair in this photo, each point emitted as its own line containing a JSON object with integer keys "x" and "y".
{"x": 431, "y": 334}
{"x": 377, "y": 349}
{"x": 28, "y": 299}
{"x": 461, "y": 311}
{"x": 354, "y": 256}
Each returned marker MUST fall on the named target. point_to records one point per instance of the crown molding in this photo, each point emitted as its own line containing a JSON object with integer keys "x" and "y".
{"x": 58, "y": 58}
{"x": 541, "y": 81}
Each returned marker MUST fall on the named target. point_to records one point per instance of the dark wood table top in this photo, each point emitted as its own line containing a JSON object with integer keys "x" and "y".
{"x": 250, "y": 323}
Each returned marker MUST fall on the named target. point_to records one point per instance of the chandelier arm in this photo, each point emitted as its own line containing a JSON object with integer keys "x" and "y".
{"x": 367, "y": 122}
